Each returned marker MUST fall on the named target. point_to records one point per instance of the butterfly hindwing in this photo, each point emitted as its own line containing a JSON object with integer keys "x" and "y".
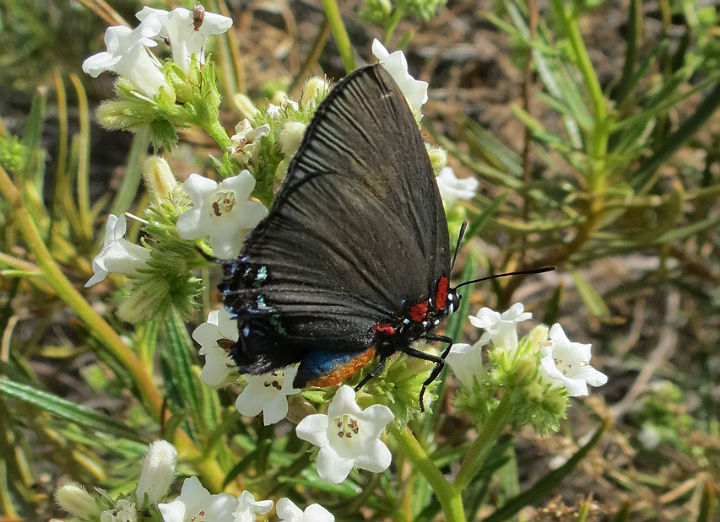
{"x": 356, "y": 235}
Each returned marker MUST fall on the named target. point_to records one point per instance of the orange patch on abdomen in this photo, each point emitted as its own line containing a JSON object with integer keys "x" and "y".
{"x": 343, "y": 372}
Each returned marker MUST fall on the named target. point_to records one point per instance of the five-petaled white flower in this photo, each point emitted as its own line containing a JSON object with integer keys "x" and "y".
{"x": 246, "y": 140}
{"x": 127, "y": 55}
{"x": 221, "y": 211}
{"x": 248, "y": 507}
{"x": 395, "y": 64}
{"x": 196, "y": 504}
{"x": 124, "y": 511}
{"x": 347, "y": 436}
{"x": 118, "y": 255}
{"x": 289, "y": 512}
{"x": 187, "y": 31}
{"x": 215, "y": 337}
{"x": 158, "y": 473}
{"x": 268, "y": 394}
{"x": 566, "y": 363}
{"x": 453, "y": 188}
{"x": 466, "y": 363}
{"x": 500, "y": 328}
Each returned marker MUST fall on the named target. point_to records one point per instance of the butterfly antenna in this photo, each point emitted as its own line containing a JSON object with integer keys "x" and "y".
{"x": 521, "y": 272}
{"x": 459, "y": 242}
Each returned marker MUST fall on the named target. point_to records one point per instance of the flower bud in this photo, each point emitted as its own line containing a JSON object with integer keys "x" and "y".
{"x": 291, "y": 137}
{"x": 159, "y": 178}
{"x": 525, "y": 371}
{"x": 244, "y": 105}
{"x": 437, "y": 155}
{"x": 74, "y": 499}
{"x": 112, "y": 114}
{"x": 314, "y": 88}
{"x": 157, "y": 474}
{"x": 536, "y": 337}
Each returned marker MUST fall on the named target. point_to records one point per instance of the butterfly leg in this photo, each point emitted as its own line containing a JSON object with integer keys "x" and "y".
{"x": 439, "y": 365}
{"x": 439, "y": 361}
{"x": 379, "y": 368}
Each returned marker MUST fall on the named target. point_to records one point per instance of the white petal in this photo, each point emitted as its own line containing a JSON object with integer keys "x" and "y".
{"x": 343, "y": 403}
{"x": 275, "y": 410}
{"x": 227, "y": 246}
{"x": 317, "y": 513}
{"x": 198, "y": 188}
{"x": 466, "y": 363}
{"x": 376, "y": 459}
{"x": 288, "y": 511}
{"x": 173, "y": 511}
{"x": 207, "y": 334}
{"x": 242, "y": 185}
{"x": 591, "y": 375}
{"x": 313, "y": 429}
{"x": 379, "y": 50}
{"x": 375, "y": 418}
{"x": 218, "y": 365}
{"x": 332, "y": 467}
{"x": 188, "y": 224}
{"x": 98, "y": 63}
{"x": 485, "y": 318}
{"x": 214, "y": 23}
{"x": 249, "y": 403}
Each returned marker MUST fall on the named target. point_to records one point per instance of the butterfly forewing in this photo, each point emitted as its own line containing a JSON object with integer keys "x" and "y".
{"x": 357, "y": 233}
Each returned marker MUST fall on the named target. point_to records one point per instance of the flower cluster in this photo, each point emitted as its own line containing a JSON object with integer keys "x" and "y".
{"x": 194, "y": 504}
{"x": 128, "y": 53}
{"x": 541, "y": 369}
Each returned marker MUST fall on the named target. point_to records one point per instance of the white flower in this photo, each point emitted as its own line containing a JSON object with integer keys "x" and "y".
{"x": 196, "y": 504}
{"x": 158, "y": 473}
{"x": 124, "y": 511}
{"x": 347, "y": 436}
{"x": 74, "y": 499}
{"x": 127, "y": 56}
{"x": 219, "y": 328}
{"x": 566, "y": 363}
{"x": 500, "y": 328}
{"x": 221, "y": 211}
{"x": 395, "y": 64}
{"x": 247, "y": 507}
{"x": 276, "y": 111}
{"x": 246, "y": 140}
{"x": 466, "y": 363}
{"x": 267, "y": 393}
{"x": 289, "y": 512}
{"x": 187, "y": 31}
{"x": 118, "y": 255}
{"x": 453, "y": 188}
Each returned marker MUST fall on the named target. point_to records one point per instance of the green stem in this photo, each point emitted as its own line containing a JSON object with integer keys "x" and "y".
{"x": 478, "y": 452}
{"x": 392, "y": 25}
{"x": 449, "y": 496}
{"x": 150, "y": 397}
{"x": 599, "y": 135}
{"x": 340, "y": 33}
{"x": 217, "y": 132}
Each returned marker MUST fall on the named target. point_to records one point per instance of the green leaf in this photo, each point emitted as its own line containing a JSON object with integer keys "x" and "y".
{"x": 590, "y": 296}
{"x": 181, "y": 362}
{"x": 76, "y": 413}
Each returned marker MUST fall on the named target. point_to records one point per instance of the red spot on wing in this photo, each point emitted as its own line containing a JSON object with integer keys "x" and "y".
{"x": 418, "y": 312}
{"x": 343, "y": 372}
{"x": 442, "y": 292}
{"x": 385, "y": 329}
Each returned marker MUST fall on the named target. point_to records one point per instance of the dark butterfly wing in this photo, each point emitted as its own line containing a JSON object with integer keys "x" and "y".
{"x": 357, "y": 233}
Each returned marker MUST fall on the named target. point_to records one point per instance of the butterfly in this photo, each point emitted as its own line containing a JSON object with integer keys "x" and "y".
{"x": 353, "y": 259}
